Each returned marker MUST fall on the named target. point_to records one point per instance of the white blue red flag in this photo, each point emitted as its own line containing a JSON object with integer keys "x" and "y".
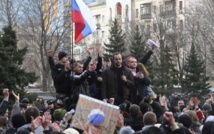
{"x": 83, "y": 19}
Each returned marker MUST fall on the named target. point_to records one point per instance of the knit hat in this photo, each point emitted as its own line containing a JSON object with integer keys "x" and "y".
{"x": 96, "y": 117}
{"x": 59, "y": 114}
{"x": 61, "y": 55}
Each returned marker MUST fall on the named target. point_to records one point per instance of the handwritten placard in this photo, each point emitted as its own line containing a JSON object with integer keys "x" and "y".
{"x": 95, "y": 116}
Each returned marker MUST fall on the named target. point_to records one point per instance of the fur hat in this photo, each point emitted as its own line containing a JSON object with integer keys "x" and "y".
{"x": 61, "y": 55}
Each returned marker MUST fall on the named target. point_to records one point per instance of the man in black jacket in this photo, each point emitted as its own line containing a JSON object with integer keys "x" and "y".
{"x": 117, "y": 82}
{"x": 61, "y": 75}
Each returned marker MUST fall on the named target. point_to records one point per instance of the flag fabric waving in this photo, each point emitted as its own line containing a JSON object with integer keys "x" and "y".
{"x": 83, "y": 19}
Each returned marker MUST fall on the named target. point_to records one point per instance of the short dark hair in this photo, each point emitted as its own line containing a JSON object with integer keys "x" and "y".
{"x": 31, "y": 111}
{"x": 134, "y": 110}
{"x": 144, "y": 107}
{"x": 116, "y": 53}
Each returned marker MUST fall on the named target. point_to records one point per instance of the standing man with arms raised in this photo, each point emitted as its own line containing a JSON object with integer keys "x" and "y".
{"x": 117, "y": 81}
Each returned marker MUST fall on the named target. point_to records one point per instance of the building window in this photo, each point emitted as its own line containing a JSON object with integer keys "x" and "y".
{"x": 103, "y": 18}
{"x": 97, "y": 18}
{"x": 119, "y": 9}
{"x": 161, "y": 9}
{"x": 145, "y": 8}
{"x": 110, "y": 14}
{"x": 154, "y": 9}
{"x": 181, "y": 25}
{"x": 148, "y": 29}
{"x": 155, "y": 27}
{"x": 103, "y": 34}
{"x": 127, "y": 10}
{"x": 180, "y": 5}
{"x": 169, "y": 6}
{"x": 136, "y": 15}
{"x": 145, "y": 11}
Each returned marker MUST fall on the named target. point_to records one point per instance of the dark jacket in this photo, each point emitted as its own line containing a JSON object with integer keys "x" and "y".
{"x": 3, "y": 107}
{"x": 80, "y": 84}
{"x": 136, "y": 123}
{"x": 61, "y": 79}
{"x": 140, "y": 85}
{"x": 146, "y": 57}
{"x": 110, "y": 82}
{"x": 51, "y": 62}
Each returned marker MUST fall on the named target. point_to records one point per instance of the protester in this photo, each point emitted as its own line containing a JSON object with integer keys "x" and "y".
{"x": 117, "y": 81}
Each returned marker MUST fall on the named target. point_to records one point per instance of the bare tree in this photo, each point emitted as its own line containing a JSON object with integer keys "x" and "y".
{"x": 9, "y": 12}
{"x": 45, "y": 25}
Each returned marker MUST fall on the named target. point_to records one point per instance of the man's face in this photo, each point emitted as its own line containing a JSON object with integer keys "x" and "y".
{"x": 132, "y": 63}
{"x": 78, "y": 68}
{"x": 92, "y": 66}
{"x": 180, "y": 103}
{"x": 118, "y": 60}
{"x": 64, "y": 59}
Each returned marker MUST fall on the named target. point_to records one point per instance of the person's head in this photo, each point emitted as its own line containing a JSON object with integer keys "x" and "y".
{"x": 31, "y": 112}
{"x": 3, "y": 121}
{"x": 144, "y": 107}
{"x": 59, "y": 114}
{"x": 92, "y": 66}
{"x": 132, "y": 63}
{"x": 72, "y": 61}
{"x": 185, "y": 120}
{"x": 149, "y": 118}
{"x": 67, "y": 64}
{"x": 78, "y": 67}
{"x": 181, "y": 103}
{"x": 18, "y": 120}
{"x": 50, "y": 104}
{"x": 206, "y": 109}
{"x": 70, "y": 131}
{"x": 126, "y": 130}
{"x": 134, "y": 110}
{"x": 117, "y": 60}
{"x": 208, "y": 127}
{"x": 192, "y": 114}
{"x": 63, "y": 56}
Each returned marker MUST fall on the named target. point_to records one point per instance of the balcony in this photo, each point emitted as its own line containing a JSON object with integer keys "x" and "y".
{"x": 146, "y": 16}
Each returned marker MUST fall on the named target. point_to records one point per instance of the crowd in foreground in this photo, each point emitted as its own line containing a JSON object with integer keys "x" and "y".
{"x": 126, "y": 86}
{"x": 161, "y": 115}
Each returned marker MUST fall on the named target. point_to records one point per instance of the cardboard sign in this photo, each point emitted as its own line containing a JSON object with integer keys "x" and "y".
{"x": 95, "y": 116}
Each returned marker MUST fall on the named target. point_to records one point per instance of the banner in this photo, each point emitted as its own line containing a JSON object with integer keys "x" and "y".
{"x": 95, "y": 116}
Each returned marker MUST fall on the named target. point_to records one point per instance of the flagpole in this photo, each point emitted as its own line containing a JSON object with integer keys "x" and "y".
{"x": 72, "y": 35}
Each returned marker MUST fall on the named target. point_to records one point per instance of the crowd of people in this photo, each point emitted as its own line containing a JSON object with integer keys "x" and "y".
{"x": 125, "y": 85}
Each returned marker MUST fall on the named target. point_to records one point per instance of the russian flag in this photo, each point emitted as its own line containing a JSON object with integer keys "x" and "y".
{"x": 83, "y": 19}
